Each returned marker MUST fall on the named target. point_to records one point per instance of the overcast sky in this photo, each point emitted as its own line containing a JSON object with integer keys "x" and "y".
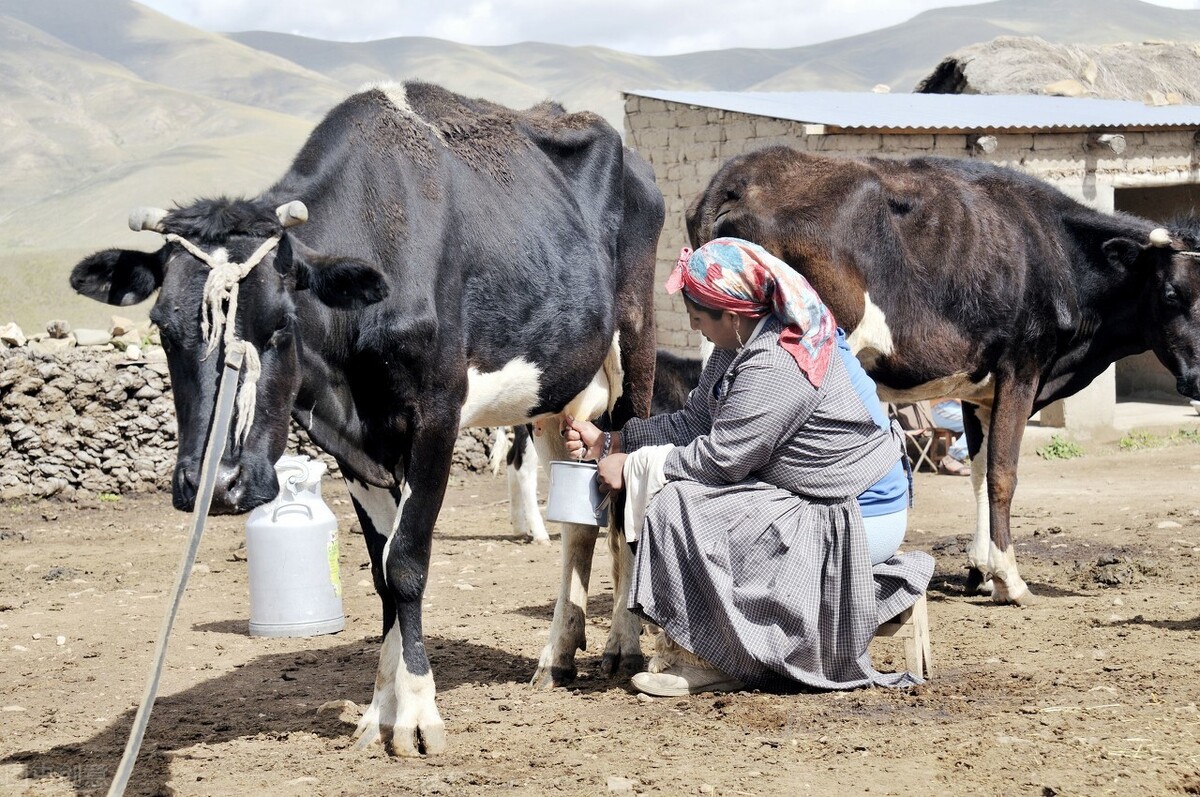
{"x": 648, "y": 27}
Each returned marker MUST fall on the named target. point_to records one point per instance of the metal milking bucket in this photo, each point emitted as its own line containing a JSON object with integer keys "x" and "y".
{"x": 292, "y": 557}
{"x": 575, "y": 495}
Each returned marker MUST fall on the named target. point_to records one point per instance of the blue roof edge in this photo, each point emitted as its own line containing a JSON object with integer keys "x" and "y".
{"x": 865, "y": 110}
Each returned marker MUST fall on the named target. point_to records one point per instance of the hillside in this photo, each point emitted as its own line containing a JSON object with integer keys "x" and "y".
{"x": 106, "y": 104}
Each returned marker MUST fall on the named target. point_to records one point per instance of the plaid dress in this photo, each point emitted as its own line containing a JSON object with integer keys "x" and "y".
{"x": 753, "y": 556}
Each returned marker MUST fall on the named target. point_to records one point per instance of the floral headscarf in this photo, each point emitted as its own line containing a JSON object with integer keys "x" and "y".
{"x": 736, "y": 275}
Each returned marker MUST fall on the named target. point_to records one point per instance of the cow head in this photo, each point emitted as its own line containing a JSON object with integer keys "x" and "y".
{"x": 1170, "y": 299}
{"x": 217, "y": 237}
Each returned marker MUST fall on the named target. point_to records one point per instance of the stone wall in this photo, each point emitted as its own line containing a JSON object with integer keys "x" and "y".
{"x": 81, "y": 422}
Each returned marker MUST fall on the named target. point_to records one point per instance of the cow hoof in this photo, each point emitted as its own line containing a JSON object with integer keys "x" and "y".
{"x": 622, "y": 666}
{"x": 428, "y": 739}
{"x": 978, "y": 583}
{"x": 366, "y": 735}
{"x": 1025, "y": 599}
{"x": 538, "y": 540}
{"x": 552, "y": 677}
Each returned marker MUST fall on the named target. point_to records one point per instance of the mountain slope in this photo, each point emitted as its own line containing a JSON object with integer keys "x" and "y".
{"x": 160, "y": 50}
{"x": 106, "y": 104}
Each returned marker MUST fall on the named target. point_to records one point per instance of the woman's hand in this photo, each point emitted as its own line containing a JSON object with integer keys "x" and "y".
{"x": 611, "y": 473}
{"x": 584, "y": 438}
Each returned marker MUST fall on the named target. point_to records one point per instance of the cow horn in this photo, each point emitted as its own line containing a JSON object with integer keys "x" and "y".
{"x": 146, "y": 219}
{"x": 1160, "y": 237}
{"x": 292, "y": 213}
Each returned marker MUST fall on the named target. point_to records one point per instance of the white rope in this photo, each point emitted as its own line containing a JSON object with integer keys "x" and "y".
{"x": 247, "y": 397}
{"x": 217, "y": 322}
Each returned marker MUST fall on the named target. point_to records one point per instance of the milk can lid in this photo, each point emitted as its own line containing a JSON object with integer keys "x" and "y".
{"x": 297, "y": 473}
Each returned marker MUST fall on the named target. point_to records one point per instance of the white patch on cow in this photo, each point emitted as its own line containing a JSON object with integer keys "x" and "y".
{"x": 418, "y": 711}
{"x": 500, "y": 445}
{"x": 499, "y": 398}
{"x": 958, "y": 386}
{"x": 397, "y": 95}
{"x": 977, "y": 556}
{"x": 605, "y": 388}
{"x": 522, "y": 497}
{"x": 382, "y": 509}
{"x": 405, "y": 492}
{"x": 706, "y": 350}
{"x": 383, "y": 708}
{"x": 403, "y": 704}
{"x": 872, "y": 338}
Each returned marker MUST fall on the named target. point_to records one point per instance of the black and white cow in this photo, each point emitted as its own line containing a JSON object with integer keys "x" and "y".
{"x": 960, "y": 278}
{"x": 674, "y": 378}
{"x": 463, "y": 265}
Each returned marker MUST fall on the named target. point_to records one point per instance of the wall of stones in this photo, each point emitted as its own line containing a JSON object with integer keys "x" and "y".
{"x": 82, "y": 422}
{"x": 686, "y": 144}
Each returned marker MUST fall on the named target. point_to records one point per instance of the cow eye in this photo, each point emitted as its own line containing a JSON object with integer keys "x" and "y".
{"x": 282, "y": 334}
{"x": 1171, "y": 296}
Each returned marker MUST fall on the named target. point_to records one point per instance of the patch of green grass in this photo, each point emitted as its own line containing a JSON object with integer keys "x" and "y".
{"x": 1060, "y": 447}
{"x": 109, "y": 498}
{"x": 1140, "y": 441}
{"x": 1189, "y": 435}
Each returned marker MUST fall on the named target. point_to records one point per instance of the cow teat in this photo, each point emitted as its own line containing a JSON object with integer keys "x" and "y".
{"x": 1160, "y": 237}
{"x": 292, "y": 213}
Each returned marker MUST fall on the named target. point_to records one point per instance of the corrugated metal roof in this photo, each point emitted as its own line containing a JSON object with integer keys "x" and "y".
{"x": 862, "y": 111}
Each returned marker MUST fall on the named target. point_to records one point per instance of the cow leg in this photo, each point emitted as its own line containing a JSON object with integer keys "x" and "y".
{"x": 403, "y": 714}
{"x": 522, "y": 487}
{"x": 556, "y": 665}
{"x": 378, "y": 511}
{"x": 623, "y": 651}
{"x": 981, "y": 545}
{"x": 1013, "y": 402}
{"x": 975, "y": 422}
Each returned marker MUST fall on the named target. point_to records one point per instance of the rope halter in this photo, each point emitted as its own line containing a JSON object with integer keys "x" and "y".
{"x": 218, "y": 310}
{"x": 221, "y": 288}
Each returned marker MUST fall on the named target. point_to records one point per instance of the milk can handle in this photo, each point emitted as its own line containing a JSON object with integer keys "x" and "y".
{"x": 278, "y": 509}
{"x": 294, "y": 482}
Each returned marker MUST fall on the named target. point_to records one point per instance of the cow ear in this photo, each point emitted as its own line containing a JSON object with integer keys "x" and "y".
{"x": 343, "y": 282}
{"x": 1122, "y": 252}
{"x": 346, "y": 283}
{"x": 118, "y": 276}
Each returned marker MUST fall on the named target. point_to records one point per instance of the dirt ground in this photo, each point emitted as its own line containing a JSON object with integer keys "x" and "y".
{"x": 1092, "y": 691}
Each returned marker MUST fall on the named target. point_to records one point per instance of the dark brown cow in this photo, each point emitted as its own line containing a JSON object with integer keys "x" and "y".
{"x": 960, "y": 278}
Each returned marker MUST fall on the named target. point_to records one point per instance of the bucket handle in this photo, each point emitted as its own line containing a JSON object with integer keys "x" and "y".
{"x": 280, "y": 508}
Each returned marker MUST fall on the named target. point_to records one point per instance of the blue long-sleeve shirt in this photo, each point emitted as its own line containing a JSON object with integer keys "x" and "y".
{"x": 889, "y": 494}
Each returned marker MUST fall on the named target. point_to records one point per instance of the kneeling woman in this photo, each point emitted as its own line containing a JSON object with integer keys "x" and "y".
{"x": 752, "y": 556}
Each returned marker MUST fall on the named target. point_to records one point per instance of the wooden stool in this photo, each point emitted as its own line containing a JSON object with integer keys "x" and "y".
{"x": 912, "y": 625}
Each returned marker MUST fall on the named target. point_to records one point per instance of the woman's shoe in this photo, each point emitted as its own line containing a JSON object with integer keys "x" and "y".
{"x": 682, "y": 679}
{"x": 952, "y": 467}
